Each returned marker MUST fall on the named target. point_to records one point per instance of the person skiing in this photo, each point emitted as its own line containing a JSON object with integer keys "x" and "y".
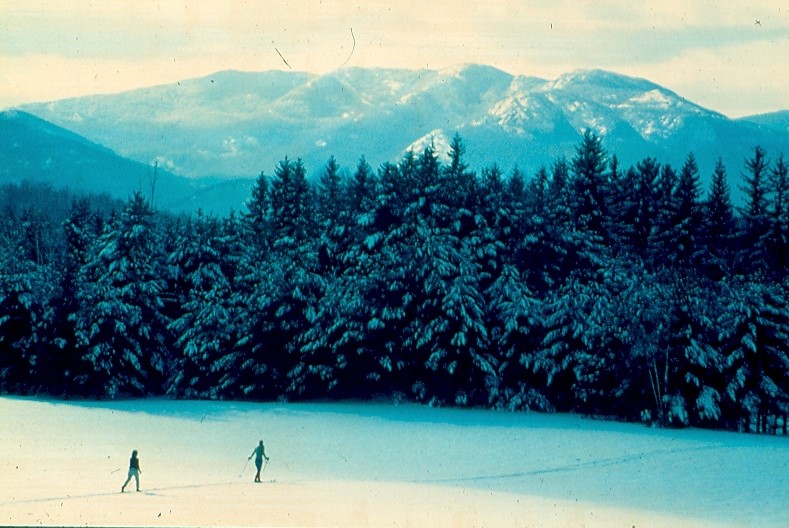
{"x": 134, "y": 471}
{"x": 259, "y": 453}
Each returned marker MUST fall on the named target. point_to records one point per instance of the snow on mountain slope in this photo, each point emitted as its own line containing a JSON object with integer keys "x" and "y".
{"x": 525, "y": 112}
{"x": 602, "y": 100}
{"x": 239, "y": 123}
{"x": 435, "y": 139}
{"x": 376, "y": 465}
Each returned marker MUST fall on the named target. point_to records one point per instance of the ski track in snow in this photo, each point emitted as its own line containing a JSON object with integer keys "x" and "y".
{"x": 599, "y": 463}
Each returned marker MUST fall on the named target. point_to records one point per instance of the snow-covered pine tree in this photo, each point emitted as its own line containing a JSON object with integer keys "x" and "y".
{"x": 361, "y": 190}
{"x": 279, "y": 289}
{"x": 753, "y": 252}
{"x": 514, "y": 323}
{"x": 590, "y": 189}
{"x": 428, "y": 252}
{"x": 692, "y": 392}
{"x": 663, "y": 232}
{"x": 590, "y": 229}
{"x": 634, "y": 207}
{"x": 549, "y": 250}
{"x": 258, "y": 229}
{"x": 685, "y": 243}
{"x": 562, "y": 345}
{"x": 718, "y": 226}
{"x": 248, "y": 368}
{"x": 778, "y": 236}
{"x": 344, "y": 349}
{"x": 380, "y": 264}
{"x": 204, "y": 261}
{"x": 755, "y": 331}
{"x": 120, "y": 323}
{"x": 461, "y": 187}
{"x": 449, "y": 334}
{"x": 80, "y": 229}
{"x": 333, "y": 215}
{"x": 587, "y": 339}
{"x": 672, "y": 357}
{"x": 291, "y": 216}
{"x": 27, "y": 307}
{"x": 335, "y": 358}
{"x": 519, "y": 236}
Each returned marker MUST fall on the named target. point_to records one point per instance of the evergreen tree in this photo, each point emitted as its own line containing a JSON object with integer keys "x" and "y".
{"x": 549, "y": 252}
{"x": 753, "y": 251}
{"x": 291, "y": 204}
{"x": 691, "y": 393}
{"x": 663, "y": 234}
{"x": 591, "y": 227}
{"x": 330, "y": 198}
{"x": 344, "y": 349}
{"x": 719, "y": 225}
{"x": 333, "y": 218}
{"x": 688, "y": 219}
{"x": 637, "y": 207}
{"x": 362, "y": 192}
{"x": 779, "y": 218}
{"x": 589, "y": 189}
{"x": 514, "y": 330}
{"x": 81, "y": 230}
{"x": 206, "y": 329}
{"x": 280, "y": 293}
{"x": 258, "y": 216}
{"x": 563, "y": 346}
{"x": 755, "y": 332}
{"x": 27, "y": 294}
{"x": 461, "y": 189}
{"x": 120, "y": 322}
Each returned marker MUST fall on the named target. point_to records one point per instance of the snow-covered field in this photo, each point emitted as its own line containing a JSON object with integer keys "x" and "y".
{"x": 376, "y": 465}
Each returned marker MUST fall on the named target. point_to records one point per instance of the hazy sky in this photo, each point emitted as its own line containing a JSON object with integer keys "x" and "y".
{"x": 728, "y": 55}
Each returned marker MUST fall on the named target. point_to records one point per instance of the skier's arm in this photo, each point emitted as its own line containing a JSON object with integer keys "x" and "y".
{"x": 264, "y": 453}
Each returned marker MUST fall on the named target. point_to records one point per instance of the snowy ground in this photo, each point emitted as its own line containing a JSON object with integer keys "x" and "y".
{"x": 376, "y": 465}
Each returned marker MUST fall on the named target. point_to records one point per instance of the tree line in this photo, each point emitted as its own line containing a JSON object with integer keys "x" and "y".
{"x": 627, "y": 292}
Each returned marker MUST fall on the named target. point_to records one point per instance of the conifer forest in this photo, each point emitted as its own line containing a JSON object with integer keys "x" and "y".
{"x": 625, "y": 292}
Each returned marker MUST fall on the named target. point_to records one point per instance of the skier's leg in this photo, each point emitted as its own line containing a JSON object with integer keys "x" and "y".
{"x": 258, "y": 465}
{"x": 137, "y": 479}
{"x": 128, "y": 478}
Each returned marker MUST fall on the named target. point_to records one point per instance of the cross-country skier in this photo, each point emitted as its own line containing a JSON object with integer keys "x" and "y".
{"x": 134, "y": 471}
{"x": 259, "y": 453}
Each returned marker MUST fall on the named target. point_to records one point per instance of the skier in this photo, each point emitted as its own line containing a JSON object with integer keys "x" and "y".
{"x": 134, "y": 471}
{"x": 259, "y": 453}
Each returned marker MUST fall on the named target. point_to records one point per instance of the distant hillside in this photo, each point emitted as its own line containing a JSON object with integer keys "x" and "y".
{"x": 35, "y": 150}
{"x": 778, "y": 121}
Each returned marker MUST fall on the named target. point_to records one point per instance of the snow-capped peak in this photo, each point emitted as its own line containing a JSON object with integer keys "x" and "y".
{"x": 436, "y": 139}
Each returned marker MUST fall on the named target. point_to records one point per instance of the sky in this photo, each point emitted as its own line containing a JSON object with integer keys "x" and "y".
{"x": 730, "y": 55}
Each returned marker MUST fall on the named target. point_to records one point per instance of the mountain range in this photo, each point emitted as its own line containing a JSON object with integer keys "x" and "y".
{"x": 209, "y": 137}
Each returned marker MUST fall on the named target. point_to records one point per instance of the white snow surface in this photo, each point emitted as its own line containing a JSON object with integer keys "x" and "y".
{"x": 376, "y": 465}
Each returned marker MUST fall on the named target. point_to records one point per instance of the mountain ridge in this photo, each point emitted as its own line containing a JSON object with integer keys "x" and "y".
{"x": 233, "y": 124}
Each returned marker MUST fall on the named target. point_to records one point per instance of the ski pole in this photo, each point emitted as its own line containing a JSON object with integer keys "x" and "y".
{"x": 245, "y": 467}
